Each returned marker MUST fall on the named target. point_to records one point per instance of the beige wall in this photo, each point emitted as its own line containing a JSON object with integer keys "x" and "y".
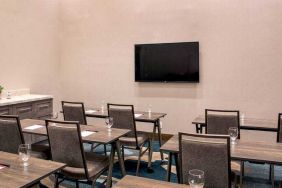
{"x": 240, "y": 55}
{"x": 29, "y": 45}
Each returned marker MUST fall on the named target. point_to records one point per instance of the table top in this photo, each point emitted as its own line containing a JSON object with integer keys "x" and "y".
{"x": 139, "y": 182}
{"x": 144, "y": 116}
{"x": 101, "y": 134}
{"x": 18, "y": 176}
{"x": 248, "y": 123}
{"x": 243, "y": 150}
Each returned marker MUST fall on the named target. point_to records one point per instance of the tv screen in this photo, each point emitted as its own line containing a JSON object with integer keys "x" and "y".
{"x": 167, "y": 62}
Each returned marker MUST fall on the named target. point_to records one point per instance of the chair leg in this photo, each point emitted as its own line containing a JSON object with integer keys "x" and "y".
{"x": 105, "y": 149}
{"x": 270, "y": 170}
{"x": 56, "y": 184}
{"x": 139, "y": 160}
{"x": 243, "y": 168}
{"x": 178, "y": 171}
{"x": 272, "y": 175}
{"x": 93, "y": 184}
{"x": 241, "y": 173}
{"x": 150, "y": 154}
{"x": 92, "y": 147}
{"x": 122, "y": 149}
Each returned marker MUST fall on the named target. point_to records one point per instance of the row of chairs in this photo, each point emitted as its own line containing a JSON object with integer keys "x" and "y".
{"x": 123, "y": 116}
{"x": 64, "y": 145}
{"x": 209, "y": 152}
{"x": 58, "y": 148}
{"x": 214, "y": 145}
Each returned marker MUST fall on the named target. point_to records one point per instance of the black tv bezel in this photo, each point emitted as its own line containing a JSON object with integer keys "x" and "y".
{"x": 165, "y": 81}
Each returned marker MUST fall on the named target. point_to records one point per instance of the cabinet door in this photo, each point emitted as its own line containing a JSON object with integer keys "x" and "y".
{"x": 23, "y": 110}
{"x": 5, "y": 110}
{"x": 43, "y": 109}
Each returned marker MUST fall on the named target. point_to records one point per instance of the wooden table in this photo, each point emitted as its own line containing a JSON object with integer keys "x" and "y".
{"x": 139, "y": 182}
{"x": 101, "y": 136}
{"x": 246, "y": 123}
{"x": 18, "y": 176}
{"x": 270, "y": 153}
{"x": 153, "y": 117}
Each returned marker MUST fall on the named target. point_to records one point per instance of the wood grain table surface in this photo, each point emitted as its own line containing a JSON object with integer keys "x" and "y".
{"x": 17, "y": 175}
{"x": 140, "y": 182}
{"x": 266, "y": 152}
{"x": 144, "y": 116}
{"x": 101, "y": 134}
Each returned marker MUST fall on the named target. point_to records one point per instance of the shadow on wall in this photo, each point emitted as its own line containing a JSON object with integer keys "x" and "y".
{"x": 167, "y": 90}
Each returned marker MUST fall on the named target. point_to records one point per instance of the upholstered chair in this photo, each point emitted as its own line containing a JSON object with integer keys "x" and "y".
{"x": 66, "y": 147}
{"x": 209, "y": 153}
{"x": 123, "y": 118}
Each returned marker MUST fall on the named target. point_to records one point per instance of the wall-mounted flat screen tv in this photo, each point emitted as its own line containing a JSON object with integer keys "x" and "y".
{"x": 167, "y": 62}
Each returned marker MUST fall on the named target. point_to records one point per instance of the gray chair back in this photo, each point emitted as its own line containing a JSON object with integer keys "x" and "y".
{"x": 66, "y": 143}
{"x": 123, "y": 116}
{"x": 74, "y": 111}
{"x": 279, "y": 133}
{"x": 209, "y": 153}
{"x": 10, "y": 133}
{"x": 219, "y": 121}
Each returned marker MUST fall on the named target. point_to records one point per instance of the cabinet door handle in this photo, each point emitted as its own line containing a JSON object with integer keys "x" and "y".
{"x": 22, "y": 110}
{"x": 44, "y": 106}
{"x": 4, "y": 113}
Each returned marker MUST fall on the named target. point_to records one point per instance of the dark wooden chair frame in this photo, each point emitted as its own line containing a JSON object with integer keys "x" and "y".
{"x": 74, "y": 103}
{"x": 141, "y": 153}
{"x": 180, "y": 134}
{"x": 17, "y": 119}
{"x": 93, "y": 146}
{"x": 224, "y": 111}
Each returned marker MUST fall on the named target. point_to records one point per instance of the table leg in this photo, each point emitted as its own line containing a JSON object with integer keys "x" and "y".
{"x": 241, "y": 174}
{"x": 199, "y": 128}
{"x": 177, "y": 167}
{"x": 160, "y": 137}
{"x": 272, "y": 175}
{"x": 154, "y": 131}
{"x": 120, "y": 158}
{"x": 168, "y": 172}
{"x": 110, "y": 172}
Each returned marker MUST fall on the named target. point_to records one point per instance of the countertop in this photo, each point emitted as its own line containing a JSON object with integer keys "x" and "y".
{"x": 23, "y": 98}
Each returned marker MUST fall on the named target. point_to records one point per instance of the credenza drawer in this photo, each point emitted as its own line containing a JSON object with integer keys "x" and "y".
{"x": 24, "y": 110}
{"x": 43, "y": 108}
{"x": 6, "y": 110}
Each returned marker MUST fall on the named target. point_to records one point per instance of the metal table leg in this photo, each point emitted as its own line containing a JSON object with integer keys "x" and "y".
{"x": 120, "y": 158}
{"x": 168, "y": 172}
{"x": 272, "y": 175}
{"x": 110, "y": 172}
{"x": 177, "y": 167}
{"x": 157, "y": 124}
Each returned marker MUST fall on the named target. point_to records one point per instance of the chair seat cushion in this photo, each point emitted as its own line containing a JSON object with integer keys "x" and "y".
{"x": 96, "y": 165}
{"x": 131, "y": 141}
{"x": 42, "y": 147}
{"x": 39, "y": 155}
